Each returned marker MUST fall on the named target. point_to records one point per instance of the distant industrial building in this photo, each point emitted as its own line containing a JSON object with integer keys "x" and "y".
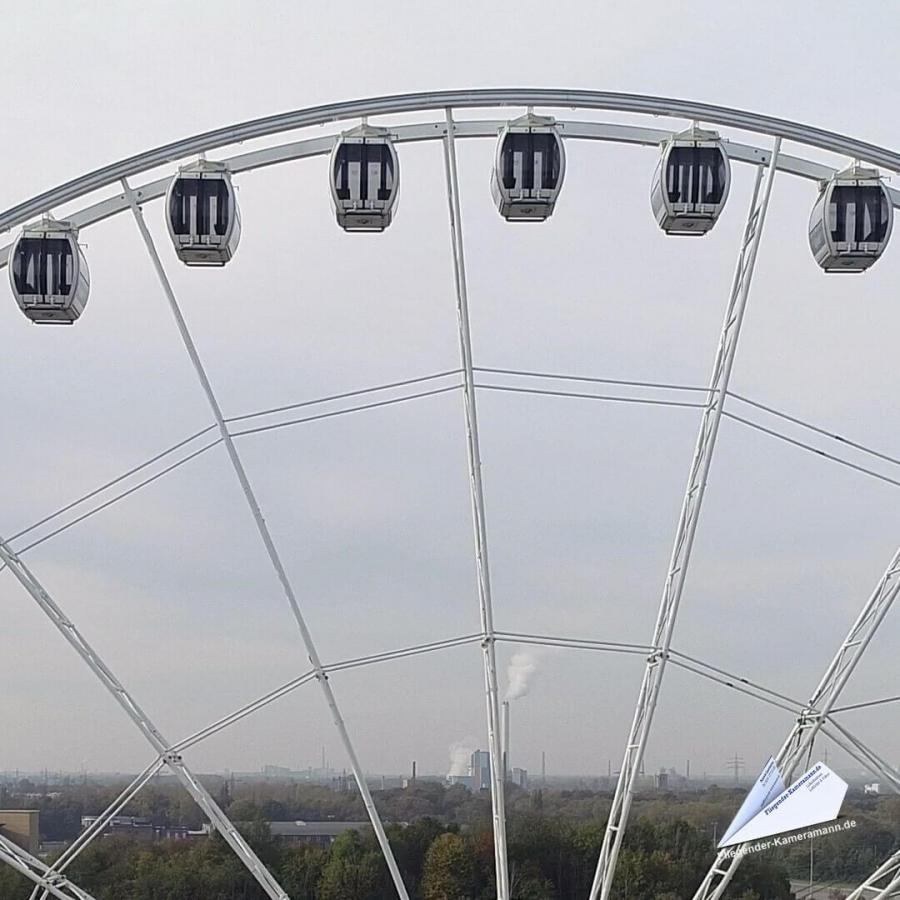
{"x": 22, "y": 827}
{"x": 136, "y": 828}
{"x": 478, "y": 777}
{"x": 132, "y": 827}
{"x": 462, "y": 780}
{"x": 319, "y": 834}
{"x": 480, "y": 770}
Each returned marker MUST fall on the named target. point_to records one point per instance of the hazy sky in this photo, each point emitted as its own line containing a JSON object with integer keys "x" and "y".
{"x": 371, "y": 511}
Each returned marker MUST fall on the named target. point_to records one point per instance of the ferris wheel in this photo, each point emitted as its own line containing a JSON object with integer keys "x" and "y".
{"x": 849, "y": 229}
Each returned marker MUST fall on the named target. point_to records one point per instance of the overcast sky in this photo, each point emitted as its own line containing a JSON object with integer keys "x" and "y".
{"x": 371, "y": 510}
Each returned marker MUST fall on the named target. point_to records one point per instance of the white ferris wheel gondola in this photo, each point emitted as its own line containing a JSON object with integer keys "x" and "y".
{"x": 48, "y": 273}
{"x": 850, "y": 223}
{"x": 691, "y": 182}
{"x": 529, "y": 167}
{"x": 365, "y": 179}
{"x": 202, "y": 214}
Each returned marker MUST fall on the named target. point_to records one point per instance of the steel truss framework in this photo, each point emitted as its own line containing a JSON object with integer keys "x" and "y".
{"x": 882, "y": 883}
{"x": 684, "y": 535}
{"x": 813, "y": 717}
{"x": 799, "y": 742}
{"x": 34, "y": 869}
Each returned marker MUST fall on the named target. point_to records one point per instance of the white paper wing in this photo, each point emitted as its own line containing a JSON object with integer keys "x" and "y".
{"x": 813, "y": 798}
{"x": 768, "y": 786}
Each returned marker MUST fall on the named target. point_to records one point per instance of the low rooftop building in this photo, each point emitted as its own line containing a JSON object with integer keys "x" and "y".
{"x": 22, "y": 827}
{"x": 321, "y": 834}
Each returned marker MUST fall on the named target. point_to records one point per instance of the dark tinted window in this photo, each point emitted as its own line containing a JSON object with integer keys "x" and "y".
{"x": 858, "y": 214}
{"x": 44, "y": 266}
{"x": 530, "y": 161}
{"x": 364, "y": 172}
{"x": 696, "y": 175}
{"x": 200, "y": 206}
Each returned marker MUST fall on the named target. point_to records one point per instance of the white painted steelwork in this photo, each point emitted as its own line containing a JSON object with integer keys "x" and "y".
{"x": 884, "y": 882}
{"x": 488, "y": 98}
{"x": 268, "y": 542}
{"x": 479, "y": 524}
{"x": 800, "y": 740}
{"x": 684, "y": 535}
{"x": 37, "y": 871}
{"x": 590, "y": 131}
{"x": 862, "y": 753}
{"x": 448, "y": 131}
{"x": 98, "y": 826}
{"x": 151, "y": 733}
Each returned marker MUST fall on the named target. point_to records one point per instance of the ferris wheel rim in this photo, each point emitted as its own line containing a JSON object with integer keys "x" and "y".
{"x": 609, "y": 101}
{"x": 423, "y": 132}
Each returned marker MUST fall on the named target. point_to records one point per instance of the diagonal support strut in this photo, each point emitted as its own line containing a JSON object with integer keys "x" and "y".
{"x": 811, "y": 721}
{"x": 684, "y": 536}
{"x": 269, "y": 544}
{"x": 137, "y": 715}
{"x": 44, "y": 878}
{"x": 884, "y": 882}
{"x": 80, "y": 844}
{"x": 473, "y": 450}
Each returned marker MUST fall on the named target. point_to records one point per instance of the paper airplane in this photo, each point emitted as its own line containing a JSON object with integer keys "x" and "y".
{"x": 768, "y": 786}
{"x": 815, "y": 797}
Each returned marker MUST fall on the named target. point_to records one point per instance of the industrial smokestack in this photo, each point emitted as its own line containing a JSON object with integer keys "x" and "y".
{"x": 504, "y": 739}
{"x": 414, "y": 772}
{"x": 543, "y": 766}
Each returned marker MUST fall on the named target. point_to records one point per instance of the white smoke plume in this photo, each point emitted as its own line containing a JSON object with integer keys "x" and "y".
{"x": 460, "y": 756}
{"x": 521, "y": 667}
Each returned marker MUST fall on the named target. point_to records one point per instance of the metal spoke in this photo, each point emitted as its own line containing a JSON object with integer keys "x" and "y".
{"x": 137, "y": 715}
{"x": 123, "y": 494}
{"x": 98, "y": 826}
{"x": 813, "y": 718}
{"x": 295, "y": 683}
{"x": 684, "y": 537}
{"x": 473, "y": 450}
{"x": 269, "y": 544}
{"x": 800, "y": 740}
{"x": 864, "y": 755}
{"x": 37, "y": 871}
{"x": 888, "y": 874}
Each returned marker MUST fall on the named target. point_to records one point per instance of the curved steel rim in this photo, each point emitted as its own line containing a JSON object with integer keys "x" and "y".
{"x": 418, "y": 102}
{"x": 430, "y": 131}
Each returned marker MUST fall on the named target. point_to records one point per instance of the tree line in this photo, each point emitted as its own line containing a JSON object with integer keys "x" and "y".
{"x": 444, "y": 845}
{"x": 549, "y": 858}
